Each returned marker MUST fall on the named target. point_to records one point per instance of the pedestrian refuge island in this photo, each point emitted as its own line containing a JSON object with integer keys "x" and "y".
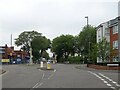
{"x": 46, "y": 65}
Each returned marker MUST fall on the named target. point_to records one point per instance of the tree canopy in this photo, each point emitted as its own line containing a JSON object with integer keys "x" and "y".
{"x": 63, "y": 46}
{"x": 39, "y": 46}
{"x": 36, "y": 41}
{"x": 86, "y": 41}
{"x": 83, "y": 44}
{"x": 104, "y": 50}
{"x": 25, "y": 38}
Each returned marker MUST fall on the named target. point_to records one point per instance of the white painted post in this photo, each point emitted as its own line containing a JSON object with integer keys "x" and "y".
{"x": 41, "y": 64}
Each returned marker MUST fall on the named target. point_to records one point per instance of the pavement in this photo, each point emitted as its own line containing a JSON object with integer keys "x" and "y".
{"x": 63, "y": 76}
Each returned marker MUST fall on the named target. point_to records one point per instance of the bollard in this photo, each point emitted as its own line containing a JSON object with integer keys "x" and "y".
{"x": 41, "y": 64}
{"x": 53, "y": 62}
{"x": 48, "y": 65}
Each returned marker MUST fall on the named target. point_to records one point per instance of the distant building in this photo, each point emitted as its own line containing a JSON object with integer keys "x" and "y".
{"x": 103, "y": 32}
{"x": 13, "y": 55}
{"x": 113, "y": 26}
{"x": 109, "y": 31}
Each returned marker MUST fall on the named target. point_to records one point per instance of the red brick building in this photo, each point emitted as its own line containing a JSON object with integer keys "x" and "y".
{"x": 10, "y": 53}
{"x": 114, "y": 45}
{"x": 113, "y": 27}
{"x": 110, "y": 31}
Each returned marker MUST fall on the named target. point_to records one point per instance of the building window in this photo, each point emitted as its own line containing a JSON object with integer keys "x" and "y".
{"x": 115, "y": 44}
{"x": 115, "y": 29}
{"x": 107, "y": 33}
{"x": 99, "y": 33}
{"x": 115, "y": 59}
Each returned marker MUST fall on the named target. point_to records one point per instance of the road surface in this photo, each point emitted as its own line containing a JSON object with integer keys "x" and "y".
{"x": 63, "y": 76}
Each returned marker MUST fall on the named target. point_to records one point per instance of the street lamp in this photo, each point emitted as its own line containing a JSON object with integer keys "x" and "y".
{"x": 30, "y": 51}
{"x": 89, "y": 36}
{"x": 87, "y": 20}
{"x": 119, "y": 37}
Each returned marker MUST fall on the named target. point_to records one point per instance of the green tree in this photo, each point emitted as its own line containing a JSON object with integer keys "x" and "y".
{"x": 86, "y": 40}
{"x": 45, "y": 55}
{"x": 104, "y": 50}
{"x": 25, "y": 38}
{"x": 39, "y": 46}
{"x": 94, "y": 53}
{"x": 63, "y": 46}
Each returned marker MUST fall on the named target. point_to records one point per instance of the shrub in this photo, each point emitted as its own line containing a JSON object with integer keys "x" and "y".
{"x": 74, "y": 59}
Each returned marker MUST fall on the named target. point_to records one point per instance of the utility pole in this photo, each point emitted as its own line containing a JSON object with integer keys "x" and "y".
{"x": 30, "y": 51}
{"x": 11, "y": 40}
{"x": 87, "y": 20}
{"x": 119, "y": 37}
{"x": 89, "y": 36}
{"x": 119, "y": 30}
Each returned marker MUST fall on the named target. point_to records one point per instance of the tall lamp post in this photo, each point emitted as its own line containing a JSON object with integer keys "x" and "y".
{"x": 89, "y": 37}
{"x": 30, "y": 51}
{"x": 119, "y": 37}
{"x": 87, "y": 20}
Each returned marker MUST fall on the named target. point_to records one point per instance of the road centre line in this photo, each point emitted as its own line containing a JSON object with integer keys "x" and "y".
{"x": 39, "y": 85}
{"x": 43, "y": 75}
{"x": 52, "y": 74}
{"x": 35, "y": 85}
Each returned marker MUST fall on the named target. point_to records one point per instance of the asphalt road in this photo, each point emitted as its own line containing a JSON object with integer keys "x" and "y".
{"x": 63, "y": 76}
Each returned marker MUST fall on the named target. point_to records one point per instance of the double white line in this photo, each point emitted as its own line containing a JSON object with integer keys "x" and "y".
{"x": 110, "y": 80}
{"x": 104, "y": 81}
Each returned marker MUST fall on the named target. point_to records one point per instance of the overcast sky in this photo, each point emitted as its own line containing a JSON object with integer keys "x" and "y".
{"x": 52, "y": 17}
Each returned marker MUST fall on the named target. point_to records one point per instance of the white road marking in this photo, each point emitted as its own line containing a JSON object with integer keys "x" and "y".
{"x": 35, "y": 85}
{"x": 105, "y": 82}
{"x": 113, "y": 87}
{"x": 43, "y": 75}
{"x": 103, "y": 79}
{"x": 117, "y": 85}
{"x": 55, "y": 70}
{"x": 39, "y": 69}
{"x": 50, "y": 76}
{"x": 39, "y": 85}
{"x": 110, "y": 80}
{"x": 99, "y": 77}
{"x": 109, "y": 84}
{"x": 114, "y": 82}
